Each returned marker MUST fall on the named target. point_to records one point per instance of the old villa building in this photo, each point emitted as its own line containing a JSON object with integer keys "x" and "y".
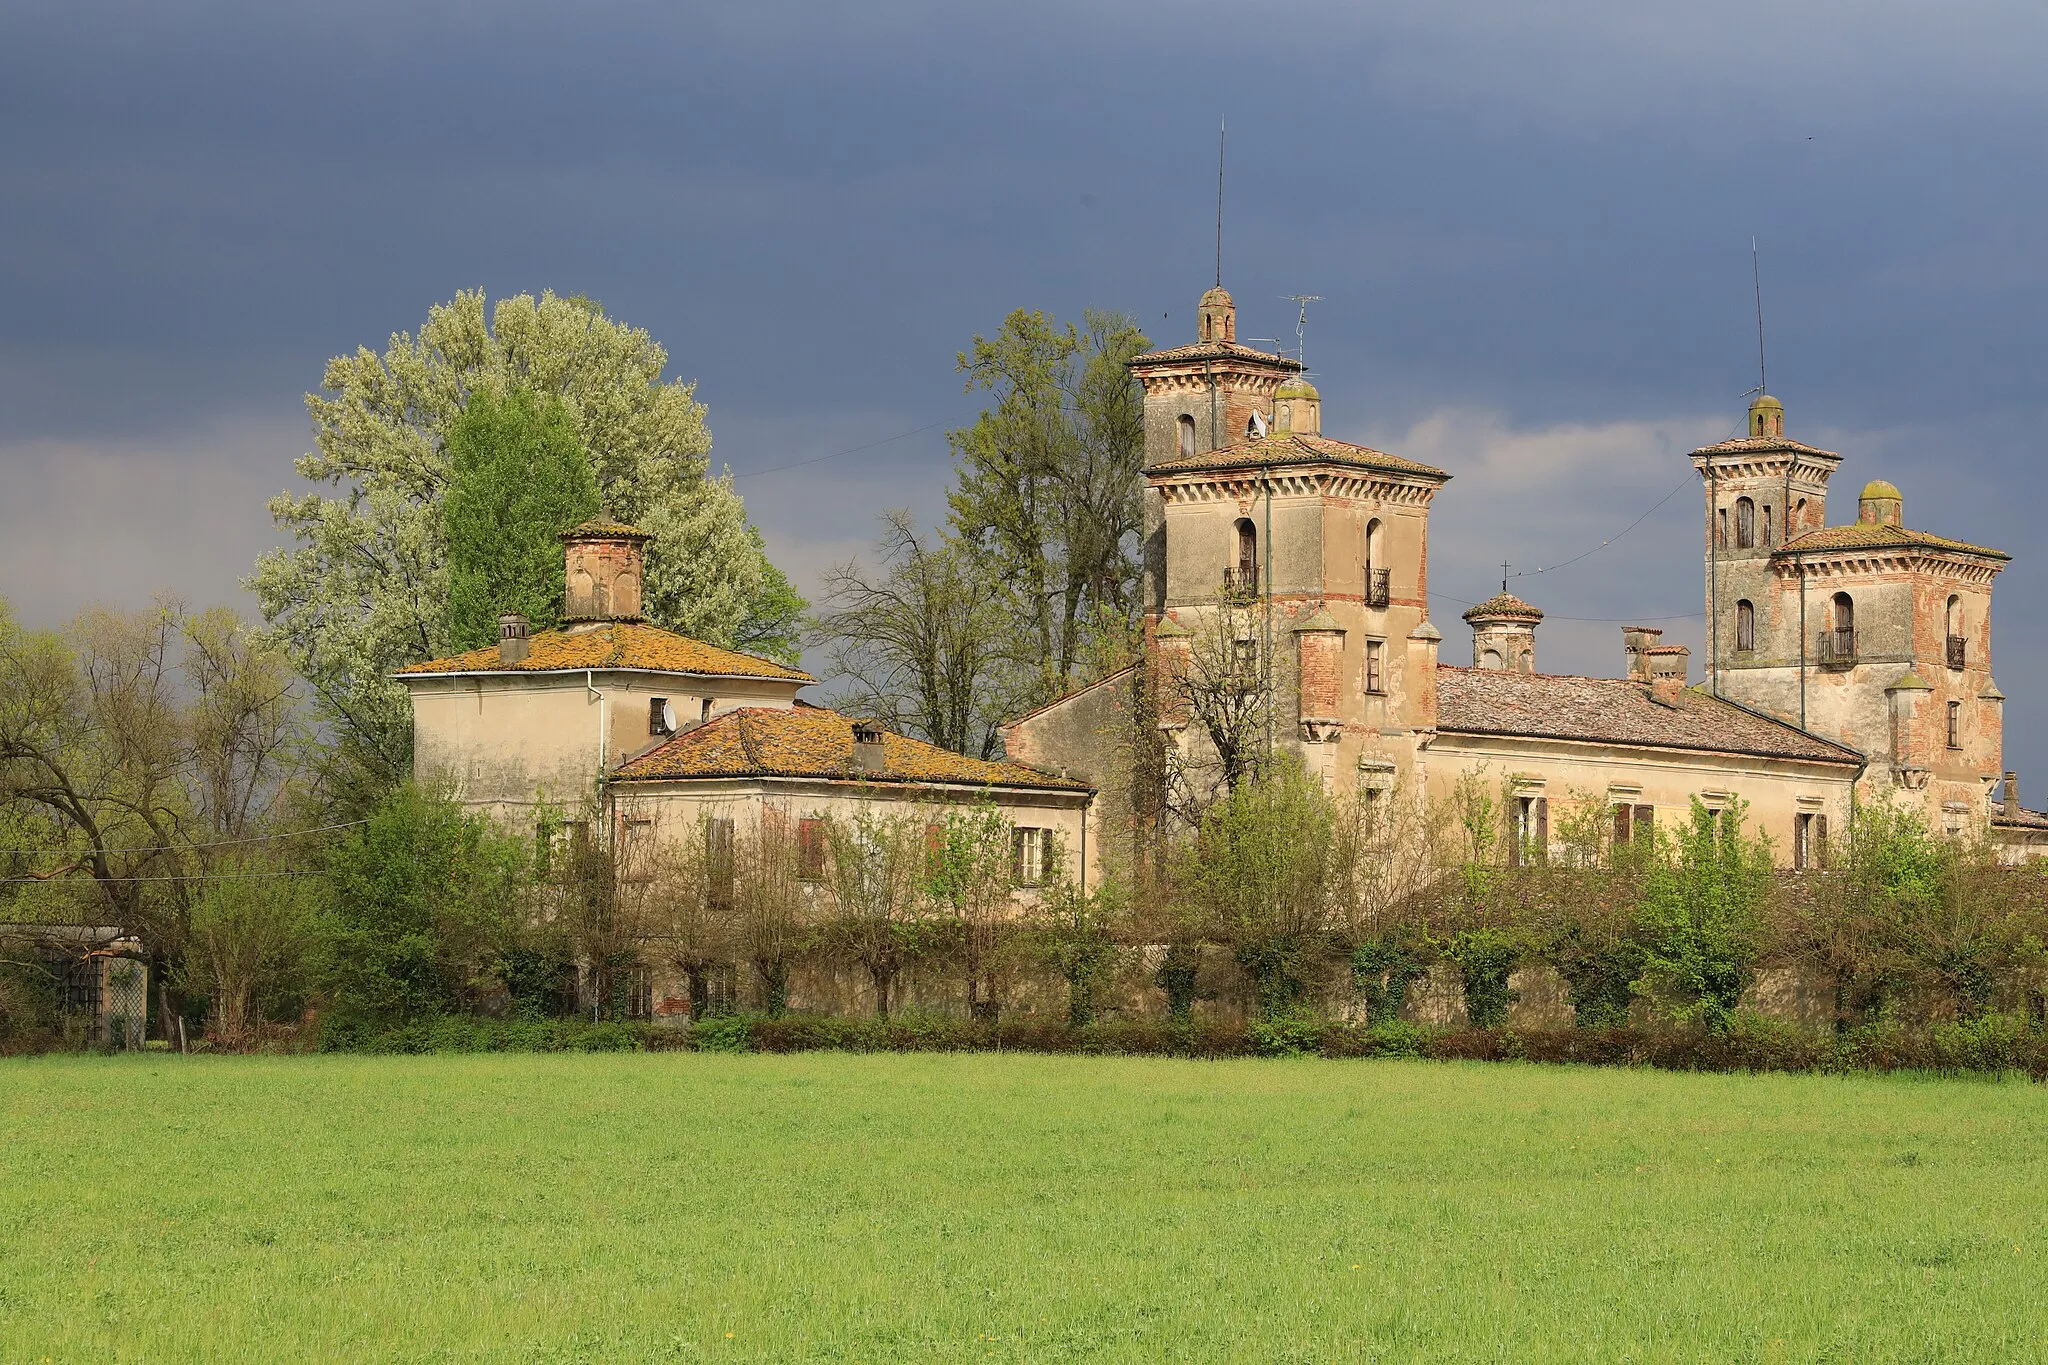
{"x": 1851, "y": 660}
{"x": 653, "y": 731}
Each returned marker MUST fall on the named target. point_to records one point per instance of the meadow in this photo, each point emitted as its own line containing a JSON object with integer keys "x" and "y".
{"x": 829, "y": 1207}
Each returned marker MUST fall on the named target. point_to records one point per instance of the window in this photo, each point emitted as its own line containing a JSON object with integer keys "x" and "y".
{"x": 705, "y": 713}
{"x": 1767, "y": 524}
{"x": 1247, "y": 554}
{"x": 810, "y": 850}
{"x": 1745, "y": 626}
{"x": 1745, "y": 524}
{"x": 718, "y": 863}
{"x": 1721, "y": 532}
{"x": 1633, "y": 823}
{"x": 1838, "y": 641}
{"x": 1028, "y": 848}
{"x": 636, "y": 849}
{"x": 1795, "y": 519}
{"x": 1491, "y": 659}
{"x": 1531, "y": 841}
{"x": 1378, "y": 578}
{"x": 1955, "y": 725}
{"x": 657, "y": 717}
{"x": 1956, "y": 650}
{"x": 1244, "y": 657}
{"x": 1187, "y": 435}
{"x": 1809, "y": 840}
{"x": 1375, "y": 667}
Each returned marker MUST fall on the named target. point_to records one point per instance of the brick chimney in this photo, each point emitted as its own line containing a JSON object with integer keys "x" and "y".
{"x": 867, "y": 747}
{"x": 1669, "y": 666}
{"x": 2012, "y": 793}
{"x": 602, "y": 562}
{"x": 512, "y": 639}
{"x": 1636, "y": 642}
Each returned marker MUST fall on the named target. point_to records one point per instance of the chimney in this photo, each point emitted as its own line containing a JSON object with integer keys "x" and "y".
{"x": 1636, "y": 642}
{"x": 601, "y": 563}
{"x": 1669, "y": 665}
{"x": 512, "y": 639}
{"x": 2012, "y": 793}
{"x": 867, "y": 747}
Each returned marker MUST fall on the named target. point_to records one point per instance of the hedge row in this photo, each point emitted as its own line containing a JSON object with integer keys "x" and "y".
{"x": 1993, "y": 1044}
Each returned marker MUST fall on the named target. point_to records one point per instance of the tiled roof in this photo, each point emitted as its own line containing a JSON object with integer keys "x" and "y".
{"x": 598, "y": 528}
{"x": 761, "y": 741}
{"x": 1289, "y": 448}
{"x": 1859, "y": 535}
{"x": 2018, "y": 817}
{"x": 1485, "y": 701}
{"x": 619, "y": 644}
{"x": 1214, "y": 350}
{"x": 1503, "y": 604}
{"x": 1763, "y": 445}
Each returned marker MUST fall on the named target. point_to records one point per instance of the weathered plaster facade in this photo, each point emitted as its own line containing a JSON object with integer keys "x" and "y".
{"x": 1318, "y": 551}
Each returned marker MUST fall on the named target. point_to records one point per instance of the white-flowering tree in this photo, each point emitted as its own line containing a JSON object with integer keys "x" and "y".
{"x": 366, "y": 588}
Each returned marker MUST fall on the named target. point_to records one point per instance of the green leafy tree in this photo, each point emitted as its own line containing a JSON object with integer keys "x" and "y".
{"x": 1048, "y": 482}
{"x": 970, "y": 874}
{"x": 518, "y": 478}
{"x": 1701, "y": 914}
{"x": 366, "y": 588}
{"x": 423, "y": 901}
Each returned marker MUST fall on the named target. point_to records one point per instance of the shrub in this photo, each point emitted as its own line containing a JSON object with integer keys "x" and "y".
{"x": 1486, "y": 957}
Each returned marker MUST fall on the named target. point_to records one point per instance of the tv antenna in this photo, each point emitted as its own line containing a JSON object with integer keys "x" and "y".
{"x": 1756, "y": 279}
{"x": 1301, "y": 326}
{"x": 1220, "y": 129}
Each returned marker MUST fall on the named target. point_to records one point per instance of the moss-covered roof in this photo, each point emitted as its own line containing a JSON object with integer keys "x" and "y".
{"x": 618, "y": 645}
{"x": 761, "y": 741}
{"x": 1866, "y": 536}
{"x": 1505, "y": 605}
{"x": 1764, "y": 445}
{"x": 1214, "y": 350}
{"x": 1292, "y": 448}
{"x": 598, "y": 528}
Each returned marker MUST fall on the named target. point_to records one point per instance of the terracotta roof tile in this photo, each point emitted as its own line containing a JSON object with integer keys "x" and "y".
{"x": 1214, "y": 350}
{"x": 1763, "y": 445}
{"x": 1614, "y": 711}
{"x": 1858, "y": 535}
{"x": 2018, "y": 817}
{"x": 1289, "y": 448}
{"x": 760, "y": 741}
{"x": 599, "y": 528}
{"x": 617, "y": 645}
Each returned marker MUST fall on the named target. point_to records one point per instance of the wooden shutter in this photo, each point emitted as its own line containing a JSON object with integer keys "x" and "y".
{"x": 1621, "y": 825}
{"x": 1017, "y": 856}
{"x": 1646, "y": 822}
{"x": 1819, "y": 853}
{"x": 810, "y": 850}
{"x": 1542, "y": 828}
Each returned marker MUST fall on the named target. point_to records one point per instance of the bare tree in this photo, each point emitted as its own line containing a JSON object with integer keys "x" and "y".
{"x": 974, "y": 865}
{"x": 922, "y": 639}
{"x": 1219, "y": 678}
{"x": 876, "y": 866}
{"x": 775, "y": 910}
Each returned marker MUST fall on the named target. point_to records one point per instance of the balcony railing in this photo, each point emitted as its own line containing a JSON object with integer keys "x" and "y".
{"x": 1837, "y": 649}
{"x": 1241, "y": 582}
{"x": 1379, "y": 587}
{"x": 1958, "y": 652}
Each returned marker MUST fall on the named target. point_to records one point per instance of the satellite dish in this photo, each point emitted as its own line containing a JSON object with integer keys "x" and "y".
{"x": 668, "y": 716}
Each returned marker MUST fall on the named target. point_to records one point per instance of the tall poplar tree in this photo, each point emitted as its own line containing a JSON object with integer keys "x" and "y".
{"x": 518, "y": 478}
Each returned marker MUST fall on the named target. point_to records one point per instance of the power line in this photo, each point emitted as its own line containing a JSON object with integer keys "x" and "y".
{"x": 177, "y": 877}
{"x": 851, "y": 450}
{"x": 1598, "y": 620}
{"x": 1531, "y": 573}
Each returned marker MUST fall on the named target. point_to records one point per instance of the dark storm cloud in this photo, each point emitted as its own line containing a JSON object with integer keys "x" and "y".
{"x": 1530, "y": 226}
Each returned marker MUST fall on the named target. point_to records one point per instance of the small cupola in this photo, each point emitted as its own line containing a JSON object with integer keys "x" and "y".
{"x": 1767, "y": 418}
{"x": 603, "y": 564}
{"x": 1881, "y": 504}
{"x": 1298, "y": 408}
{"x": 1218, "y": 316}
{"x": 1504, "y": 633}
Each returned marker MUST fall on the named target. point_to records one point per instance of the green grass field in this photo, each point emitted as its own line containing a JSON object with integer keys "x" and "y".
{"x": 950, "y": 1207}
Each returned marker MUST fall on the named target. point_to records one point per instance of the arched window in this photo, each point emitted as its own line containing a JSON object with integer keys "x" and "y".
{"x": 1187, "y": 435}
{"x": 1528, "y": 661}
{"x": 1247, "y": 553}
{"x": 1796, "y": 523}
{"x": 1721, "y": 532}
{"x": 1839, "y": 644}
{"x": 1377, "y": 575}
{"x": 1745, "y": 523}
{"x": 1955, "y": 647}
{"x": 1766, "y": 542}
{"x": 1745, "y": 626}
{"x": 1490, "y": 659}
{"x": 1759, "y": 424}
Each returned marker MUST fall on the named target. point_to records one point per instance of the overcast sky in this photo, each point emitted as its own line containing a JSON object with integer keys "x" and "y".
{"x": 1530, "y": 226}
